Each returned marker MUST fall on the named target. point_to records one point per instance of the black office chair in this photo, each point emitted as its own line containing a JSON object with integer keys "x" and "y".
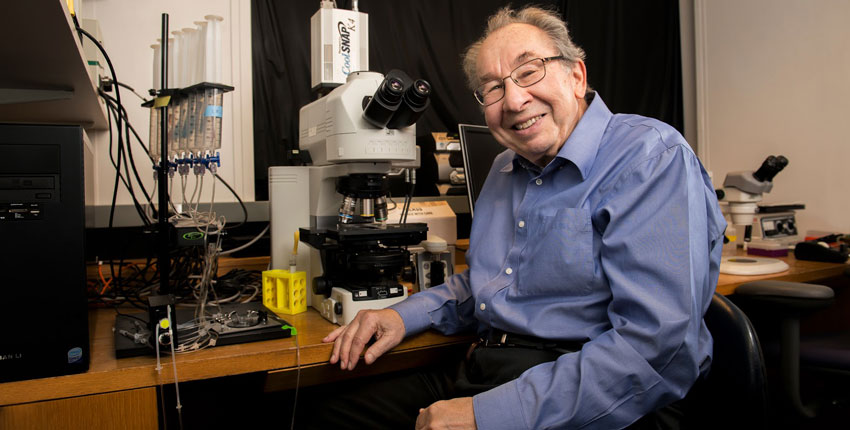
{"x": 735, "y": 391}
{"x": 789, "y": 302}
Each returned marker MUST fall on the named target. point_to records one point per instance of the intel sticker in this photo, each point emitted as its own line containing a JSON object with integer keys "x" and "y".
{"x": 75, "y": 355}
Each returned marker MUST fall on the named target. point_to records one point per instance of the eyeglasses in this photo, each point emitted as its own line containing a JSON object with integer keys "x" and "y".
{"x": 526, "y": 75}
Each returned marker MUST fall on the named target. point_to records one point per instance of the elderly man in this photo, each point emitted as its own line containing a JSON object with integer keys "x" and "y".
{"x": 593, "y": 254}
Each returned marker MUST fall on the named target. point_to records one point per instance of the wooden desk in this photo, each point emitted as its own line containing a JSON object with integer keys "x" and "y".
{"x": 119, "y": 386}
{"x": 122, "y": 393}
{"x": 798, "y": 271}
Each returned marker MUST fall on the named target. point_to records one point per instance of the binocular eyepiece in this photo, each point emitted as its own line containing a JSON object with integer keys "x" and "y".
{"x": 770, "y": 167}
{"x": 398, "y": 102}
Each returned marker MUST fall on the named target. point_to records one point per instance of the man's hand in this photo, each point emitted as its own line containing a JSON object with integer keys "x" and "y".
{"x": 447, "y": 414}
{"x": 349, "y": 340}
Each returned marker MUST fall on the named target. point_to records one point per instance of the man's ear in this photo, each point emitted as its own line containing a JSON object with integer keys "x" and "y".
{"x": 579, "y": 75}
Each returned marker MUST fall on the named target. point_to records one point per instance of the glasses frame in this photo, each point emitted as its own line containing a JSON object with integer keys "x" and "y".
{"x": 545, "y": 60}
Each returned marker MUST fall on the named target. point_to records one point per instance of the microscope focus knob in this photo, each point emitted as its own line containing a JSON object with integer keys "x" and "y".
{"x": 338, "y": 308}
{"x": 321, "y": 286}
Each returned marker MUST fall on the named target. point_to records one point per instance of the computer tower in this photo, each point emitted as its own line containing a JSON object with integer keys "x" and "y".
{"x": 44, "y": 328}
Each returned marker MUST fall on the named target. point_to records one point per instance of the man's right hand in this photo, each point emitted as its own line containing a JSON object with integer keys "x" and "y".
{"x": 349, "y": 340}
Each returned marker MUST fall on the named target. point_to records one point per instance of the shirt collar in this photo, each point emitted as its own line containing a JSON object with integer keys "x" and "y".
{"x": 582, "y": 144}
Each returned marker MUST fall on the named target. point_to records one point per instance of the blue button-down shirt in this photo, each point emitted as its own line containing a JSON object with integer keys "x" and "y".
{"x": 616, "y": 242}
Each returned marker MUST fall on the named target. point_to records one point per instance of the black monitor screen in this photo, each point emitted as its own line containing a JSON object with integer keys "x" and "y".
{"x": 479, "y": 150}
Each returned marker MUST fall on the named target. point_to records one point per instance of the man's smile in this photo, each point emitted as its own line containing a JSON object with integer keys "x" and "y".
{"x": 528, "y": 123}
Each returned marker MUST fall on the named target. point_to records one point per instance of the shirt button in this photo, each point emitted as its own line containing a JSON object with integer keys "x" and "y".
{"x": 509, "y": 270}
{"x": 539, "y": 181}
{"x": 482, "y": 307}
{"x": 521, "y": 224}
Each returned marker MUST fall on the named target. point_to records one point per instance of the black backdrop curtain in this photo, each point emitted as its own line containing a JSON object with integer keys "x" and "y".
{"x": 633, "y": 61}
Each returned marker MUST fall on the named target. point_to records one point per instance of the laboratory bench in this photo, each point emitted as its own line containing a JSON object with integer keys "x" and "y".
{"x": 123, "y": 392}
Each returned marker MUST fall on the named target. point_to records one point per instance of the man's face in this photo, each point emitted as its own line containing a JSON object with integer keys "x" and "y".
{"x": 534, "y": 121}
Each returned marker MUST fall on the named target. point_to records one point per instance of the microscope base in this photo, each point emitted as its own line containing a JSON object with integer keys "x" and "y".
{"x": 340, "y": 308}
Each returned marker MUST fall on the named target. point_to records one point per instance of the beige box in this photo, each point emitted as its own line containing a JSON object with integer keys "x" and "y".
{"x": 437, "y": 214}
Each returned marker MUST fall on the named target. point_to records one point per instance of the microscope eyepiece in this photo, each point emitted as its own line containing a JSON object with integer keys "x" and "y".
{"x": 386, "y": 100}
{"x": 398, "y": 102}
{"x": 770, "y": 167}
{"x": 414, "y": 103}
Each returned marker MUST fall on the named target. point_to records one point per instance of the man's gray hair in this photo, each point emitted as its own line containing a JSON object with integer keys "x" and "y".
{"x": 547, "y": 20}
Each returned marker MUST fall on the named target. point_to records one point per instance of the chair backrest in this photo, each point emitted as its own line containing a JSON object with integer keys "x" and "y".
{"x": 735, "y": 391}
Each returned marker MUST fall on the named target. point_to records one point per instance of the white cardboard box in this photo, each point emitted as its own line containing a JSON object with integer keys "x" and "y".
{"x": 437, "y": 214}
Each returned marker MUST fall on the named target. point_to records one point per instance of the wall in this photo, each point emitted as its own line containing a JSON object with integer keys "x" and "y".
{"x": 128, "y": 28}
{"x": 773, "y": 77}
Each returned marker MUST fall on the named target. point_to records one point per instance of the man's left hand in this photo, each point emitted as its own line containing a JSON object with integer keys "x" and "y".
{"x": 447, "y": 414}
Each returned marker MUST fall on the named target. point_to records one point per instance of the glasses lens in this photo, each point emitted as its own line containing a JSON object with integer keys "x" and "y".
{"x": 525, "y": 75}
{"x": 490, "y": 92}
{"x": 529, "y": 73}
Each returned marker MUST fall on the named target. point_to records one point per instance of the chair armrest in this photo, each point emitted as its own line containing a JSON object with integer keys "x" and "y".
{"x": 787, "y": 296}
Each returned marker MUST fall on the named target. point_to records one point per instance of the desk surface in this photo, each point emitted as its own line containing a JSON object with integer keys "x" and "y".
{"x": 108, "y": 374}
{"x": 798, "y": 271}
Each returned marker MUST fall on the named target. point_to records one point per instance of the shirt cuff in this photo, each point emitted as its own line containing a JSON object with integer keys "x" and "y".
{"x": 499, "y": 408}
{"x": 414, "y": 314}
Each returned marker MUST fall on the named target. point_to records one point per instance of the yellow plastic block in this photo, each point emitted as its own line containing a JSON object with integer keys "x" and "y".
{"x": 285, "y": 292}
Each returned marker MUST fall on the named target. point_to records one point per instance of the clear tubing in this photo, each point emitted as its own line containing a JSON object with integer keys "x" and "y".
{"x": 157, "y": 66}
{"x": 213, "y": 49}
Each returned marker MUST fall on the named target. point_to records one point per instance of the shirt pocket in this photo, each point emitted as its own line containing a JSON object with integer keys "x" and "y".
{"x": 559, "y": 254}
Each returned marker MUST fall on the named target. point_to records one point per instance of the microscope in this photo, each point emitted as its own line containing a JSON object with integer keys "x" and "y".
{"x": 355, "y": 136}
{"x": 742, "y": 191}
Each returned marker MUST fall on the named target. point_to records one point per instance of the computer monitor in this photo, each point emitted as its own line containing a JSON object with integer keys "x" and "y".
{"x": 479, "y": 149}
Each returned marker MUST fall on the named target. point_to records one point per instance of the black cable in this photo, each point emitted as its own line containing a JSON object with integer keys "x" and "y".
{"x": 117, "y": 120}
{"x": 138, "y": 138}
{"x": 144, "y": 100}
{"x": 244, "y": 209}
{"x": 125, "y": 181}
{"x": 129, "y": 127}
{"x": 407, "y": 200}
{"x": 122, "y": 152}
